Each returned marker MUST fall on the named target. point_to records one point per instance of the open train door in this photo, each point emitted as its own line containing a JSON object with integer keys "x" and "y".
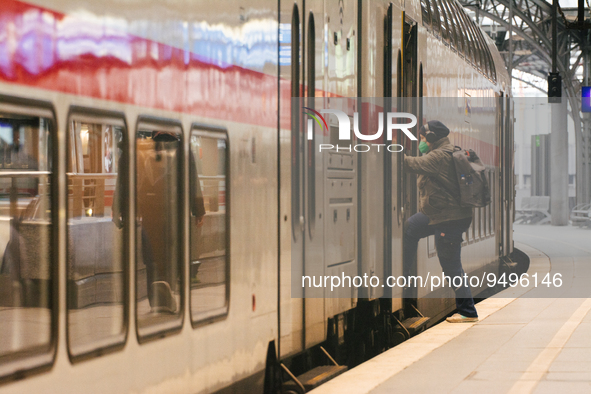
{"x": 407, "y": 92}
{"x": 394, "y": 194}
{"x": 291, "y": 162}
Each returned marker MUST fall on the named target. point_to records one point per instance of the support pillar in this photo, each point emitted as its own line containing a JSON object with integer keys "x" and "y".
{"x": 583, "y": 141}
{"x": 559, "y": 164}
{"x": 584, "y": 162}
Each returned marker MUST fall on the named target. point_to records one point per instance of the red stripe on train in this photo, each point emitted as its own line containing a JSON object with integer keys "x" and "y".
{"x": 49, "y": 50}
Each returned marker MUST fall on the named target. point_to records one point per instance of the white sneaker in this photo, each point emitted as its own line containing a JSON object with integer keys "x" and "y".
{"x": 457, "y": 318}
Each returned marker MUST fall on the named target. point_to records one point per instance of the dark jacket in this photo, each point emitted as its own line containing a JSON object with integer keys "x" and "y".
{"x": 439, "y": 192}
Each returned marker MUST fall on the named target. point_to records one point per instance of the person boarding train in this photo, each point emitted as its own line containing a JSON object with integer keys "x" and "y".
{"x": 440, "y": 212}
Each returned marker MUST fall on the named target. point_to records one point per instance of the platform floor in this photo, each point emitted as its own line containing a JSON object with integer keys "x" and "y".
{"x": 525, "y": 341}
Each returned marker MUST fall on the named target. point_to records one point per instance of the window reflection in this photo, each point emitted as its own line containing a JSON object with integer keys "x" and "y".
{"x": 95, "y": 251}
{"x": 25, "y": 234}
{"x": 209, "y": 265}
{"x": 158, "y": 277}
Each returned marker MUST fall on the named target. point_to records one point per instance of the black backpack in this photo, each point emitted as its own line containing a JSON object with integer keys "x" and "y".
{"x": 472, "y": 179}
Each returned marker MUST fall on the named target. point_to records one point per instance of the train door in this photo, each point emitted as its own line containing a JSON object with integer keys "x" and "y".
{"x": 312, "y": 192}
{"x": 407, "y": 93}
{"x": 374, "y": 166}
{"x": 506, "y": 175}
{"x": 340, "y": 172}
{"x": 393, "y": 200}
{"x": 290, "y": 162}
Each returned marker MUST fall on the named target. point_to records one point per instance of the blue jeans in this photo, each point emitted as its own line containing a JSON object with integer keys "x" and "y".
{"x": 448, "y": 243}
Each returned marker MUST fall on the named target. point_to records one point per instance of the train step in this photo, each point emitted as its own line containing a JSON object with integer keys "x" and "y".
{"x": 414, "y": 325}
{"x": 315, "y": 377}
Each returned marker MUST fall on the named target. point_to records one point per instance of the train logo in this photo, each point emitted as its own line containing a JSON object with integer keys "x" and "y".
{"x": 345, "y": 124}
{"x": 344, "y": 129}
{"x": 314, "y": 114}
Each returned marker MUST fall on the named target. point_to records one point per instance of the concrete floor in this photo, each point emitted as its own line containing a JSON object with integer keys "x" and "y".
{"x": 528, "y": 340}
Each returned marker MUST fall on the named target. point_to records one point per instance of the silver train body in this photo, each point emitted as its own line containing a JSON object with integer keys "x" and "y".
{"x": 220, "y": 76}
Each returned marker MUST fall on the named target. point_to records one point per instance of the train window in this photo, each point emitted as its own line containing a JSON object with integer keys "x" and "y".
{"x": 490, "y": 68}
{"x": 468, "y": 40}
{"x": 481, "y": 232}
{"x": 483, "y": 52}
{"x": 473, "y": 226}
{"x": 476, "y": 224}
{"x": 209, "y": 223}
{"x": 425, "y": 8}
{"x": 295, "y": 125}
{"x": 311, "y": 162}
{"x": 455, "y": 27}
{"x": 159, "y": 284}
{"x": 435, "y": 20}
{"x": 450, "y": 25}
{"x": 95, "y": 269}
{"x": 460, "y": 35}
{"x": 491, "y": 179}
{"x": 482, "y": 223}
{"x": 486, "y": 55}
{"x": 443, "y": 21}
{"x": 27, "y": 212}
{"x": 491, "y": 63}
{"x": 478, "y": 49}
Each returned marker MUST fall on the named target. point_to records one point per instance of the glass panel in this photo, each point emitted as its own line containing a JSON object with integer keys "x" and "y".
{"x": 25, "y": 234}
{"x": 207, "y": 199}
{"x": 95, "y": 236}
{"x": 158, "y": 209}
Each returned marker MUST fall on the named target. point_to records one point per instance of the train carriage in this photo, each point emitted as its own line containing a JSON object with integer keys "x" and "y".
{"x": 119, "y": 120}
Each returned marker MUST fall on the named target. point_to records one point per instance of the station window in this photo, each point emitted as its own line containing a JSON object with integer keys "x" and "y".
{"x": 159, "y": 284}
{"x": 425, "y": 8}
{"x": 26, "y": 217}
{"x": 95, "y": 270}
{"x": 209, "y": 223}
